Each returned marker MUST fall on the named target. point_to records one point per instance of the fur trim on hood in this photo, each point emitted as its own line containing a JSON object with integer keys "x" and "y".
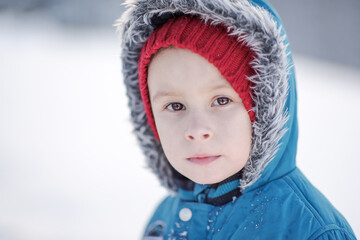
{"x": 251, "y": 24}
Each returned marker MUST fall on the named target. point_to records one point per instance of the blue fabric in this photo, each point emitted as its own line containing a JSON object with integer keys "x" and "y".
{"x": 286, "y": 208}
{"x": 208, "y": 190}
{"x": 281, "y": 204}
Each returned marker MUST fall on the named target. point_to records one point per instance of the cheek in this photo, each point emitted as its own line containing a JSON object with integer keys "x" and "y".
{"x": 235, "y": 132}
{"x": 169, "y": 134}
{"x": 166, "y": 128}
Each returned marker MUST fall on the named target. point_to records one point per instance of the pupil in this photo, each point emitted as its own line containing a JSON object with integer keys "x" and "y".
{"x": 222, "y": 101}
{"x": 177, "y": 106}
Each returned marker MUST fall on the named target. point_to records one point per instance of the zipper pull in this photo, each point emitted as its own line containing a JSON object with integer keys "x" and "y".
{"x": 201, "y": 197}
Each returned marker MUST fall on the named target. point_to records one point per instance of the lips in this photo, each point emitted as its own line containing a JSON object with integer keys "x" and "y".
{"x": 203, "y": 159}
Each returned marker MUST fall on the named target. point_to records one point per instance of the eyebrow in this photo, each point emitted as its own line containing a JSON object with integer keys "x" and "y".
{"x": 164, "y": 93}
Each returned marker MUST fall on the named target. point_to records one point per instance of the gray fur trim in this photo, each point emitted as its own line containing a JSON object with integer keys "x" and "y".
{"x": 251, "y": 24}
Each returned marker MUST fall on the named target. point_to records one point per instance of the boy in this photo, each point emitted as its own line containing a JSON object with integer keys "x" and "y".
{"x": 213, "y": 99}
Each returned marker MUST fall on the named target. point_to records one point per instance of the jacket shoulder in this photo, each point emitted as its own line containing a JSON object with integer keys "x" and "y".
{"x": 289, "y": 207}
{"x": 161, "y": 218}
{"x": 166, "y": 205}
{"x": 327, "y": 221}
{"x": 333, "y": 233}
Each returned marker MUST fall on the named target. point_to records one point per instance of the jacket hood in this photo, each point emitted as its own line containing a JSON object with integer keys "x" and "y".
{"x": 275, "y": 129}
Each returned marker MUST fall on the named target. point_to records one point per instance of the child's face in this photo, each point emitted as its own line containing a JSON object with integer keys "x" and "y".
{"x": 198, "y": 114}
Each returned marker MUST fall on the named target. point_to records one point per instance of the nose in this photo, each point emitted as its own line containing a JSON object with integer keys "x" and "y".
{"x": 198, "y": 132}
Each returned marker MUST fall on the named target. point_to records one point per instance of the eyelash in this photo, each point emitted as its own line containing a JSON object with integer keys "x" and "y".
{"x": 183, "y": 107}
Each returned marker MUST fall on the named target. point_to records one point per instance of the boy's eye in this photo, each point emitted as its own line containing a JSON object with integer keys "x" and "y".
{"x": 175, "y": 107}
{"x": 221, "y": 101}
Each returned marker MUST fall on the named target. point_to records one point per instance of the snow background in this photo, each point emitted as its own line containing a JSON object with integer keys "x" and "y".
{"x": 69, "y": 164}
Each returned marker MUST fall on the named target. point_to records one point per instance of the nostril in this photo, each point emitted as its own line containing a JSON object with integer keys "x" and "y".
{"x": 199, "y": 136}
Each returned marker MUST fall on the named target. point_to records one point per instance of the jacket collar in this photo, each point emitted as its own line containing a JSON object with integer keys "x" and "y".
{"x": 215, "y": 194}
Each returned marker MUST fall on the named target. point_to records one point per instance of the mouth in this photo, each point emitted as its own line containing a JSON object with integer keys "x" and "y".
{"x": 203, "y": 159}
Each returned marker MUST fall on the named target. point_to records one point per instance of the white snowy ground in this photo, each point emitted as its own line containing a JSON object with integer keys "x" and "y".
{"x": 69, "y": 165}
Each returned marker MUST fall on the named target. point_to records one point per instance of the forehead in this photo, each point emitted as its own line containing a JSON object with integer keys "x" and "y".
{"x": 178, "y": 68}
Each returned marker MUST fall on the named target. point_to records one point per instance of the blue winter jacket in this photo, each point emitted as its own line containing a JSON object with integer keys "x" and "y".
{"x": 269, "y": 198}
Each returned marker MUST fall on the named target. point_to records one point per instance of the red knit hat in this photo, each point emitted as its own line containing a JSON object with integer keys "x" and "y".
{"x": 230, "y": 56}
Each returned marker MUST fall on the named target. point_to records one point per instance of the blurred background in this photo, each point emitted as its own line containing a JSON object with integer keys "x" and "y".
{"x": 69, "y": 164}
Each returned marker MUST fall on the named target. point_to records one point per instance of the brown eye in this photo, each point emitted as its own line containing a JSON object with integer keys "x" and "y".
{"x": 221, "y": 101}
{"x": 175, "y": 107}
